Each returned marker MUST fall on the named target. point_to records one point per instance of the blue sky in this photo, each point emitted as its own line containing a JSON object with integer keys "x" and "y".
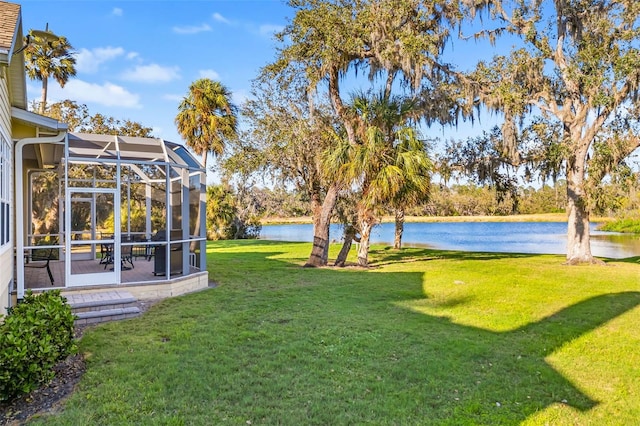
{"x": 136, "y": 59}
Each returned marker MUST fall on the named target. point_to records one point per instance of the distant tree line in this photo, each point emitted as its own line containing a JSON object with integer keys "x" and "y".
{"x": 468, "y": 199}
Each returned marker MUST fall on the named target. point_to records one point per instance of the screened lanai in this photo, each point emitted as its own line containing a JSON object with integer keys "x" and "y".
{"x": 107, "y": 210}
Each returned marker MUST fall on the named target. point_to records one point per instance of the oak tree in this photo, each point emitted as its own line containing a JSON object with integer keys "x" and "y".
{"x": 578, "y": 65}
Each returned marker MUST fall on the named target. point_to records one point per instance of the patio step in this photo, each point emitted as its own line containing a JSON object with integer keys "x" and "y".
{"x": 93, "y": 308}
{"x": 94, "y": 317}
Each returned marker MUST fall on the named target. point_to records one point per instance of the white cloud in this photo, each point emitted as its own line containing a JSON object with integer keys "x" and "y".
{"x": 173, "y": 97}
{"x": 239, "y": 97}
{"x": 191, "y": 29}
{"x": 219, "y": 18}
{"x": 157, "y": 130}
{"x": 116, "y": 11}
{"x": 89, "y": 61}
{"x": 152, "y": 73}
{"x": 106, "y": 94}
{"x": 269, "y": 30}
{"x": 132, "y": 55}
{"x": 264, "y": 30}
{"x": 211, "y": 74}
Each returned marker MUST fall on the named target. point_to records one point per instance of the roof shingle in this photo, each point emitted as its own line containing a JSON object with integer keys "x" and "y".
{"x": 9, "y": 16}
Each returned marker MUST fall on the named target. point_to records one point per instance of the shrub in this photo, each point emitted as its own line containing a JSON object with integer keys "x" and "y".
{"x": 625, "y": 224}
{"x": 35, "y": 335}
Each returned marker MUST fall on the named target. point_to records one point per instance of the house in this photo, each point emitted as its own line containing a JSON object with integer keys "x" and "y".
{"x": 13, "y": 94}
{"x": 78, "y": 209}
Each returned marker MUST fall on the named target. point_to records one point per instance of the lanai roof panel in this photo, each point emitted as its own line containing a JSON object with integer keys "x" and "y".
{"x": 88, "y": 145}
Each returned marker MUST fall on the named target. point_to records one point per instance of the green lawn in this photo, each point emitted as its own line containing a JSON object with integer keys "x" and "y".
{"x": 423, "y": 337}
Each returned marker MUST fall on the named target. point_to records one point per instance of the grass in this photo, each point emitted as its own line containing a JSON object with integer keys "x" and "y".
{"x": 627, "y": 225}
{"x": 423, "y": 337}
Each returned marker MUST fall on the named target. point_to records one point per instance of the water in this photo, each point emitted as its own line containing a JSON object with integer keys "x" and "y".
{"x": 507, "y": 237}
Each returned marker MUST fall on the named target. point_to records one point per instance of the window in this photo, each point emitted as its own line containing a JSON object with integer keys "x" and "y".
{"x": 5, "y": 191}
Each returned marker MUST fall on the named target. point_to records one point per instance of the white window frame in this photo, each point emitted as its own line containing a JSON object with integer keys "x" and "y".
{"x": 6, "y": 212}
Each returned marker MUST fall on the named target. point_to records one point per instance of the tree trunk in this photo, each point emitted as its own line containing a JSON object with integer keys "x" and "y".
{"x": 338, "y": 106}
{"x": 321, "y": 220}
{"x": 578, "y": 235}
{"x": 43, "y": 103}
{"x": 365, "y": 233}
{"x": 239, "y": 227}
{"x": 349, "y": 236}
{"x": 397, "y": 242}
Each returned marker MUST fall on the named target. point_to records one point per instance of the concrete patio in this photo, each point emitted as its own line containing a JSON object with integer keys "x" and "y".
{"x": 139, "y": 281}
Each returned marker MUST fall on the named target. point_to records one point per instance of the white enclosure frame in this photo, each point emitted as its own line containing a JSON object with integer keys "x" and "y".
{"x": 172, "y": 160}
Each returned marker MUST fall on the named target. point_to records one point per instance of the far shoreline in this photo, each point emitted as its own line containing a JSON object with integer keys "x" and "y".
{"x": 543, "y": 217}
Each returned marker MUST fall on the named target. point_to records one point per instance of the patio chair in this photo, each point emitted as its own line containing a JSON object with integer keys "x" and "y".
{"x": 43, "y": 260}
{"x": 126, "y": 253}
{"x": 106, "y": 253}
{"x": 141, "y": 250}
{"x": 106, "y": 250}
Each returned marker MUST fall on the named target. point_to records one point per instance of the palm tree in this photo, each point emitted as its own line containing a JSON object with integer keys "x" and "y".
{"x": 392, "y": 115}
{"x": 49, "y": 56}
{"x": 207, "y": 118}
{"x": 389, "y": 162}
{"x": 220, "y": 212}
{"x": 412, "y": 159}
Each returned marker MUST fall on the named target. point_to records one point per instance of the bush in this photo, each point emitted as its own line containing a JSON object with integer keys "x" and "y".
{"x": 626, "y": 225}
{"x": 35, "y": 335}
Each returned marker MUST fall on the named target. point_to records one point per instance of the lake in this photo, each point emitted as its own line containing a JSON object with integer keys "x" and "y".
{"x": 507, "y": 237}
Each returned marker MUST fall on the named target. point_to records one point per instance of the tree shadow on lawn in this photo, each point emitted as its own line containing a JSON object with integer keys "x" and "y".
{"x": 504, "y": 376}
{"x": 388, "y": 255}
{"x": 633, "y": 260}
{"x": 471, "y": 374}
{"x": 226, "y": 244}
{"x": 439, "y": 369}
{"x": 508, "y": 370}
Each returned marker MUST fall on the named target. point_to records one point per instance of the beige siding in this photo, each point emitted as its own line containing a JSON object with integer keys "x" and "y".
{"x": 6, "y": 264}
{"x": 5, "y": 105}
{"x": 6, "y": 253}
{"x": 3, "y": 311}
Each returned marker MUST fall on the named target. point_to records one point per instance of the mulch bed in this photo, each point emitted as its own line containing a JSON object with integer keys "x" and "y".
{"x": 47, "y": 399}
